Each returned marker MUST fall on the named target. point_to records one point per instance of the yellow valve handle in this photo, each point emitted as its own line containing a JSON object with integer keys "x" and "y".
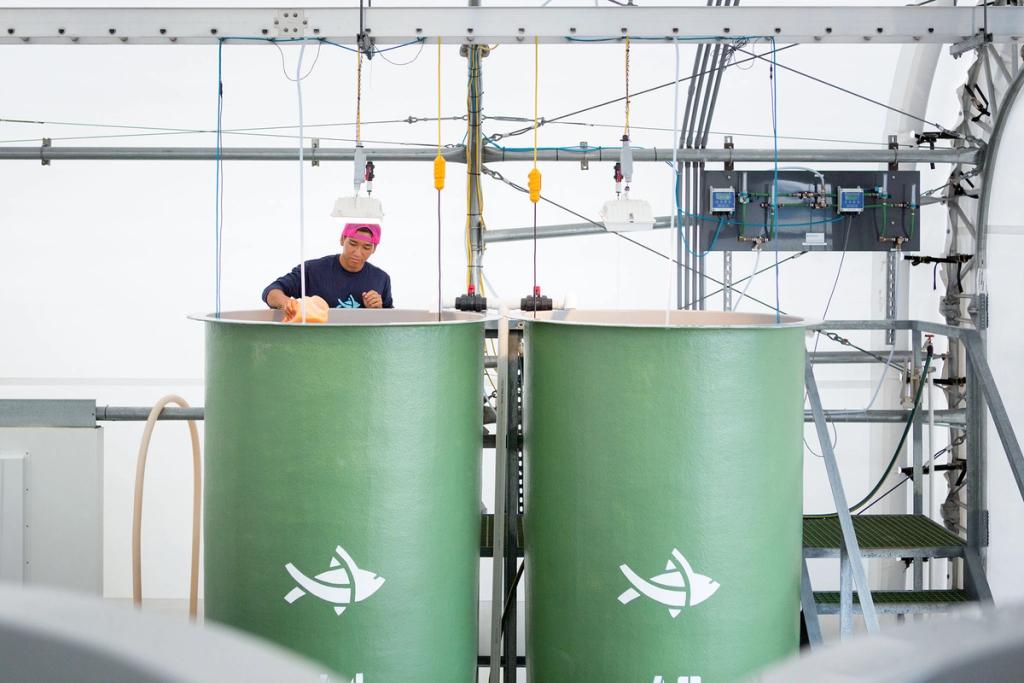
{"x": 439, "y": 172}
{"x": 534, "y": 185}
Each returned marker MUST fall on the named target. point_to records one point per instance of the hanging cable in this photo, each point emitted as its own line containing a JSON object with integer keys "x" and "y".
{"x": 218, "y": 198}
{"x": 302, "y": 191}
{"x": 625, "y": 131}
{"x": 750, "y": 279}
{"x": 359, "y": 95}
{"x": 773, "y": 83}
{"x": 439, "y": 168}
{"x": 534, "y": 177}
{"x": 899, "y": 447}
{"x": 673, "y": 225}
{"x": 546, "y": 120}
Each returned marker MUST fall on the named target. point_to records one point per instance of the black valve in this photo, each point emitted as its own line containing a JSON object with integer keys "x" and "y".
{"x": 535, "y": 302}
{"x": 471, "y": 301}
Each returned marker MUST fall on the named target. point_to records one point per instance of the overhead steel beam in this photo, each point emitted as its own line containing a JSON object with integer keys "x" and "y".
{"x": 457, "y": 154}
{"x": 457, "y": 25}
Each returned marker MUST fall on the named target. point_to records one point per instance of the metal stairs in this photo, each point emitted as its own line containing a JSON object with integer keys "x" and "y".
{"x": 906, "y": 537}
{"x": 913, "y": 537}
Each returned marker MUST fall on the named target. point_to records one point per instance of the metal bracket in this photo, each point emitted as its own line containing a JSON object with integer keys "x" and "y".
{"x": 891, "y": 264}
{"x": 729, "y": 165}
{"x": 46, "y": 143}
{"x": 365, "y": 43}
{"x": 584, "y": 162}
{"x": 894, "y": 145}
{"x": 290, "y": 23}
{"x": 978, "y": 310}
{"x": 316, "y": 145}
{"x": 973, "y": 43}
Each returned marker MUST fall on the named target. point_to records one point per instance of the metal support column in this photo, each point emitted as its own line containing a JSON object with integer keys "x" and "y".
{"x": 845, "y": 595}
{"x": 726, "y": 280}
{"x": 513, "y": 498}
{"x": 918, "y": 457}
{"x": 977, "y": 522}
{"x": 474, "y": 160}
{"x": 981, "y": 381}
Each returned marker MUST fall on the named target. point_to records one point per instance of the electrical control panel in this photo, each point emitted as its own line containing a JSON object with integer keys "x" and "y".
{"x": 814, "y": 210}
{"x": 723, "y": 200}
{"x": 849, "y": 200}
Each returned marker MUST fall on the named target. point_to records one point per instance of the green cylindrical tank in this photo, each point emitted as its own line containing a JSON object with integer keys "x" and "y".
{"x": 342, "y": 488}
{"x": 663, "y": 495}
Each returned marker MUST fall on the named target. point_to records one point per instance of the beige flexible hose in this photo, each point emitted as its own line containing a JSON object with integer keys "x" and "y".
{"x": 197, "y": 485}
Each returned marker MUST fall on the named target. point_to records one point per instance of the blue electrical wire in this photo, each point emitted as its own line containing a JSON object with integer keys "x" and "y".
{"x": 415, "y": 41}
{"x": 218, "y": 203}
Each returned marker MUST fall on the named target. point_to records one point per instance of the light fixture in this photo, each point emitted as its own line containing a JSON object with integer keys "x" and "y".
{"x": 623, "y": 214}
{"x": 358, "y": 207}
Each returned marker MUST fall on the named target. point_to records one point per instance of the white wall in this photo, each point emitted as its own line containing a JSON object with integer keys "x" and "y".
{"x": 103, "y": 260}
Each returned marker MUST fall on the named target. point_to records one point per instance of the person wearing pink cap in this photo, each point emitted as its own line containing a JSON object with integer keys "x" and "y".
{"x": 344, "y": 280}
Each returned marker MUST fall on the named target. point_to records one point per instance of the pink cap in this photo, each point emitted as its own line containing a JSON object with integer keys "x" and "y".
{"x": 352, "y": 230}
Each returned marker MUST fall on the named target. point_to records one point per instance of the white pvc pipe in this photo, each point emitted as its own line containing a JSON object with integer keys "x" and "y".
{"x": 932, "y": 511}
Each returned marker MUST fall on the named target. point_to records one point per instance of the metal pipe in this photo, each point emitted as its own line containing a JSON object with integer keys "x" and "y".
{"x": 843, "y": 357}
{"x": 457, "y": 154}
{"x": 474, "y": 155}
{"x": 140, "y": 413}
{"x": 951, "y": 416}
{"x": 558, "y": 230}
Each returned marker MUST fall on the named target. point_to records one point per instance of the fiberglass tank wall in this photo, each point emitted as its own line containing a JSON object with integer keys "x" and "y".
{"x": 342, "y": 499}
{"x": 663, "y": 495}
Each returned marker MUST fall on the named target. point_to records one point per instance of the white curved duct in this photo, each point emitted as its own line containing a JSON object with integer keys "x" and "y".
{"x": 1001, "y": 238}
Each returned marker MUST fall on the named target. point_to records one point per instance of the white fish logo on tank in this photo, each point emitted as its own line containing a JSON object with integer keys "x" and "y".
{"x": 341, "y": 585}
{"x": 677, "y": 588}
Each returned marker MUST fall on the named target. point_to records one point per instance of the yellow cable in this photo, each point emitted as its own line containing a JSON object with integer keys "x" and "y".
{"x": 536, "y": 79}
{"x": 626, "y": 131}
{"x": 359, "y": 92}
{"x": 534, "y": 177}
{"x": 439, "y": 95}
{"x": 439, "y": 160}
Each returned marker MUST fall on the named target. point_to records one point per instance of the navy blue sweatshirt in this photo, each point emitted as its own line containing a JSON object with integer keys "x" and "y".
{"x": 338, "y": 287}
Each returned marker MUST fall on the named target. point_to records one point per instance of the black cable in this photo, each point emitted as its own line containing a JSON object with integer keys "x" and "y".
{"x": 633, "y": 95}
{"x": 536, "y": 294}
{"x": 511, "y": 594}
{"x": 899, "y": 447}
{"x": 842, "y": 89}
{"x": 906, "y": 479}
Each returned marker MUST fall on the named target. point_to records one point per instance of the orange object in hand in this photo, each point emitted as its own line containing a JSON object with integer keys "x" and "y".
{"x": 316, "y": 310}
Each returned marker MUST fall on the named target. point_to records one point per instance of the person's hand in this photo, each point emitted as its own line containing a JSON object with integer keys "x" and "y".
{"x": 316, "y": 310}
{"x": 372, "y": 299}
{"x": 290, "y": 309}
